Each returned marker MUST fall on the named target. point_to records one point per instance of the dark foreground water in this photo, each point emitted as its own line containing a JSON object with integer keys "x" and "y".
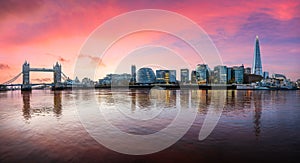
{"x": 255, "y": 126}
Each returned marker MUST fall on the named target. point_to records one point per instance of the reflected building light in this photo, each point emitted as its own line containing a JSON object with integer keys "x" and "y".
{"x": 167, "y": 96}
{"x": 28, "y": 111}
{"x": 257, "y": 113}
{"x": 57, "y": 103}
{"x": 190, "y": 99}
{"x": 133, "y": 100}
{"x": 143, "y": 100}
{"x": 26, "y": 104}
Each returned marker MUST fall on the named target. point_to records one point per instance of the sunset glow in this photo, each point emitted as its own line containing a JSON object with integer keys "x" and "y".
{"x": 44, "y": 32}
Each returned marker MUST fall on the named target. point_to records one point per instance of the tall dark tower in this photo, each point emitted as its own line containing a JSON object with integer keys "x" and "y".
{"x": 26, "y": 81}
{"x": 57, "y": 73}
{"x": 257, "y": 67}
{"x": 133, "y": 73}
{"x": 25, "y": 71}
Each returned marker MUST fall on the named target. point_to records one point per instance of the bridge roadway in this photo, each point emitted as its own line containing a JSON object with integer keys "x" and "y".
{"x": 42, "y": 69}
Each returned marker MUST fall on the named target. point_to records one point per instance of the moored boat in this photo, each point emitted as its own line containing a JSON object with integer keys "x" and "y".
{"x": 244, "y": 87}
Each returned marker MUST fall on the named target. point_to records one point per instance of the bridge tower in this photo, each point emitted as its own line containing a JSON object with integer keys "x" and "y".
{"x": 57, "y": 74}
{"x": 26, "y": 81}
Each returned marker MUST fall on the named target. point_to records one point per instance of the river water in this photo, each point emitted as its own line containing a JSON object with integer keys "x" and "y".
{"x": 46, "y": 126}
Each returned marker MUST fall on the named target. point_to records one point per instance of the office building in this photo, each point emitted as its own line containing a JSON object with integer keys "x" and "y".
{"x": 116, "y": 79}
{"x": 193, "y": 77}
{"x": 266, "y": 75}
{"x": 166, "y": 76}
{"x": 220, "y": 74}
{"x": 229, "y": 75}
{"x": 184, "y": 75}
{"x": 238, "y": 74}
{"x": 202, "y": 73}
{"x": 133, "y": 73}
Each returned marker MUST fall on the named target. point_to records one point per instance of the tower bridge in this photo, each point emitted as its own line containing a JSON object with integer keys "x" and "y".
{"x": 26, "y": 69}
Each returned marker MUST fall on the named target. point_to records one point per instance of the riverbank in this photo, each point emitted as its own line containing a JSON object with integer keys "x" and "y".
{"x": 165, "y": 87}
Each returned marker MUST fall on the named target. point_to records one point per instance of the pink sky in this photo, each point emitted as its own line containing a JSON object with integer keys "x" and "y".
{"x": 43, "y": 32}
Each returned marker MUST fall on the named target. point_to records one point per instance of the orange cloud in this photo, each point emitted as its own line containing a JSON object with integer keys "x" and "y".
{"x": 4, "y": 66}
{"x": 93, "y": 60}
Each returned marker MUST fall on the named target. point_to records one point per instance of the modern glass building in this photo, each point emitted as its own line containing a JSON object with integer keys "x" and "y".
{"x": 116, "y": 79}
{"x": 229, "y": 75}
{"x": 202, "y": 73}
{"x": 160, "y": 76}
{"x": 257, "y": 66}
{"x": 266, "y": 75}
{"x": 238, "y": 72}
{"x": 133, "y": 73}
{"x": 172, "y": 76}
{"x": 166, "y": 76}
{"x": 193, "y": 77}
{"x": 220, "y": 73}
{"x": 145, "y": 76}
{"x": 184, "y": 75}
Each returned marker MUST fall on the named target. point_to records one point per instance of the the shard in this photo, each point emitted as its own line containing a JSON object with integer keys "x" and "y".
{"x": 256, "y": 66}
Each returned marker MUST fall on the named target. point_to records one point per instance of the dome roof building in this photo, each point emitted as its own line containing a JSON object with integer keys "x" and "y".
{"x": 145, "y": 76}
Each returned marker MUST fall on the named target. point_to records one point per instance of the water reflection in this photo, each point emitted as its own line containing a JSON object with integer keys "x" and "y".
{"x": 257, "y": 113}
{"x": 230, "y": 96}
{"x": 258, "y": 122}
{"x": 57, "y": 103}
{"x": 133, "y": 100}
{"x": 149, "y": 99}
{"x": 29, "y": 111}
{"x": 26, "y": 104}
{"x": 205, "y": 99}
{"x": 143, "y": 99}
{"x": 236, "y": 102}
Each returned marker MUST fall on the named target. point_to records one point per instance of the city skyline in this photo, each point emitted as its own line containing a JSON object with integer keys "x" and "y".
{"x": 149, "y": 80}
{"x": 30, "y": 32}
{"x": 256, "y": 69}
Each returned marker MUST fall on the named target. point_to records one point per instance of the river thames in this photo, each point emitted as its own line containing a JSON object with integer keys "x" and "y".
{"x": 255, "y": 126}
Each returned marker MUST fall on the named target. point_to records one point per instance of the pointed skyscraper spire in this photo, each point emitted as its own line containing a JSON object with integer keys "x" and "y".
{"x": 257, "y": 66}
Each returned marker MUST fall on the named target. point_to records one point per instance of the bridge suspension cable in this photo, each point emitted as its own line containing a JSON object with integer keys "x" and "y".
{"x": 64, "y": 76}
{"x": 17, "y": 76}
{"x": 13, "y": 79}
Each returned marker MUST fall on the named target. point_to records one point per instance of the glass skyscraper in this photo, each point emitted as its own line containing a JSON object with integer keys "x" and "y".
{"x": 202, "y": 74}
{"x": 133, "y": 73}
{"x": 257, "y": 66}
{"x": 184, "y": 75}
{"x": 166, "y": 76}
{"x": 220, "y": 74}
{"x": 238, "y": 74}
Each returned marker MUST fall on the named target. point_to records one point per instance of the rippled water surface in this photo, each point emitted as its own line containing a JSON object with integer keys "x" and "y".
{"x": 45, "y": 125}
